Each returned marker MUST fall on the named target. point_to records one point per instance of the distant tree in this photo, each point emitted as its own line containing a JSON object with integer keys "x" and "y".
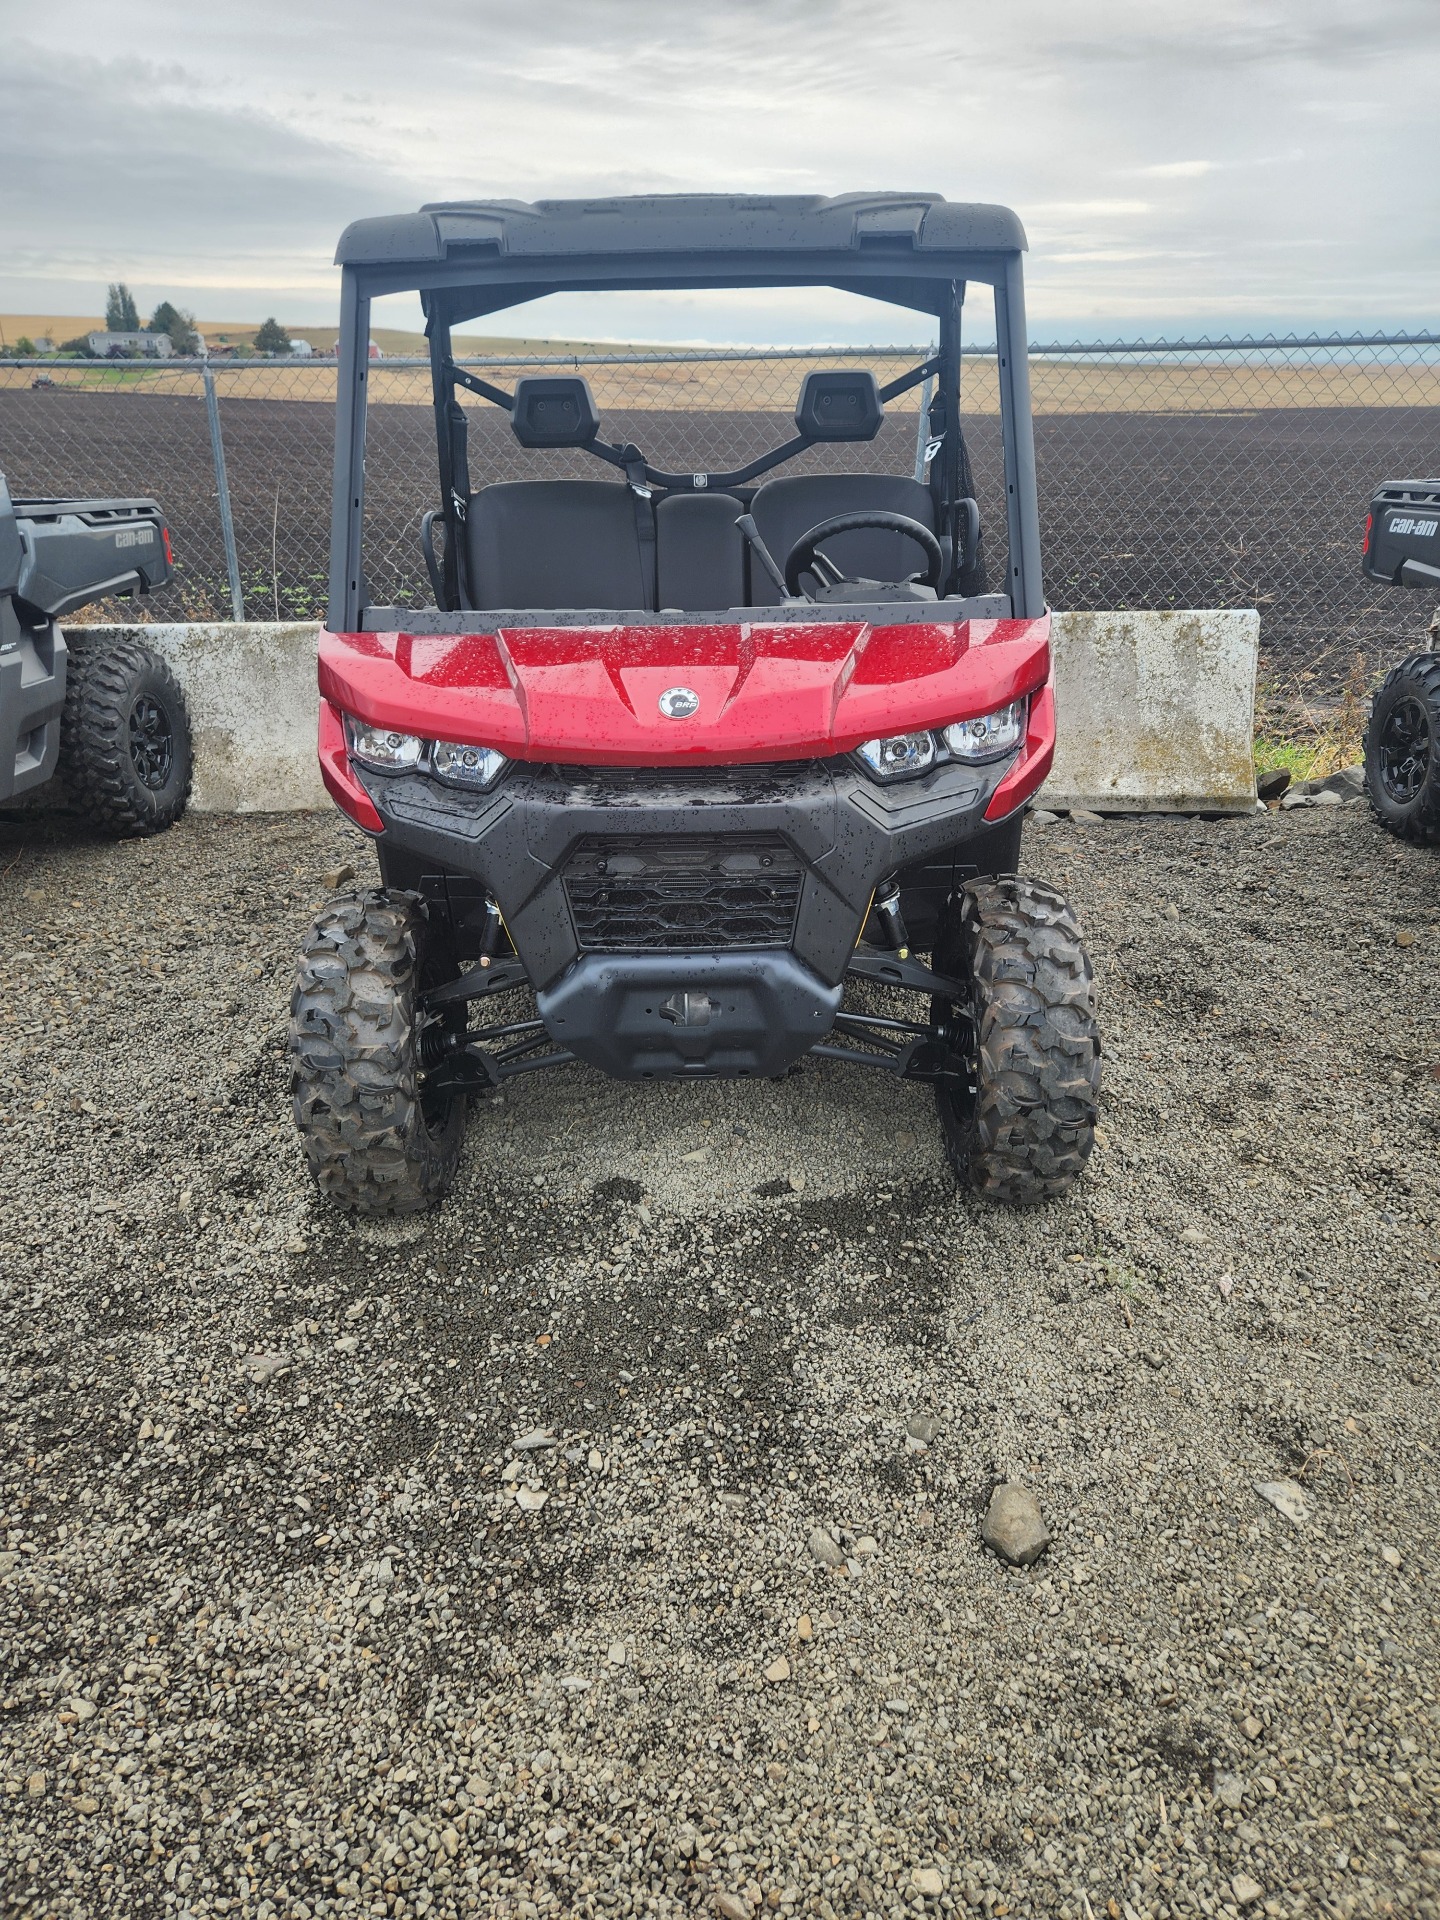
{"x": 24, "y": 346}
{"x": 121, "y": 313}
{"x": 178, "y": 324}
{"x": 271, "y": 337}
{"x": 79, "y": 345}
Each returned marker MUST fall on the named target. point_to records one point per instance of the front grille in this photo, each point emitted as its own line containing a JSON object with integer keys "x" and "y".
{"x": 759, "y": 780}
{"x": 684, "y": 893}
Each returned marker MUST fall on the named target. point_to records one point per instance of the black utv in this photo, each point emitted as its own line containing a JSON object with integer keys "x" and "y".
{"x": 1402, "y": 739}
{"x": 109, "y": 718}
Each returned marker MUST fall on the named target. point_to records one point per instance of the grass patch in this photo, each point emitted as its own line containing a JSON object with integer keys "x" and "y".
{"x": 1126, "y": 1280}
{"x": 1271, "y": 755}
{"x": 1313, "y": 742}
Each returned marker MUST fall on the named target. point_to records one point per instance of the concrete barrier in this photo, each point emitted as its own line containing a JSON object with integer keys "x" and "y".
{"x": 253, "y": 703}
{"x": 1156, "y": 711}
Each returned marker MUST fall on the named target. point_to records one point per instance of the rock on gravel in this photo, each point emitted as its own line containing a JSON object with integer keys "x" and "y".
{"x": 338, "y": 1671}
{"x": 1287, "y": 1497}
{"x": 826, "y": 1549}
{"x": 1013, "y": 1526}
{"x": 262, "y": 1367}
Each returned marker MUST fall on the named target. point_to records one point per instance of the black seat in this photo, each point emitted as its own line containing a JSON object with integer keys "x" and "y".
{"x": 701, "y": 554}
{"x": 555, "y": 543}
{"x": 574, "y": 543}
{"x": 787, "y": 508}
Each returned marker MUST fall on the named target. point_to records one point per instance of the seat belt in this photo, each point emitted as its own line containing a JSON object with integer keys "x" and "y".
{"x": 642, "y": 494}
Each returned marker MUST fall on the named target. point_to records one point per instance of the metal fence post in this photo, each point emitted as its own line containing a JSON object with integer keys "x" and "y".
{"x": 222, "y": 490}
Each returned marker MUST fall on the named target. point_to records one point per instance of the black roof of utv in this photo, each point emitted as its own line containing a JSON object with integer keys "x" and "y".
{"x": 897, "y": 246}
{"x": 683, "y": 223}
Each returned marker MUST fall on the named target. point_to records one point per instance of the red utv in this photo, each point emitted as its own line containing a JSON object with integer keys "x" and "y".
{"x": 674, "y": 758}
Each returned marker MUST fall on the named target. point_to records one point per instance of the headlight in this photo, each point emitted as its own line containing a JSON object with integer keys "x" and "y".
{"x": 379, "y": 747}
{"x": 990, "y": 737}
{"x": 466, "y": 766}
{"x": 390, "y": 752}
{"x": 901, "y": 754}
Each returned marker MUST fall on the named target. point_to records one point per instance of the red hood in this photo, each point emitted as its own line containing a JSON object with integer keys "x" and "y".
{"x": 767, "y": 690}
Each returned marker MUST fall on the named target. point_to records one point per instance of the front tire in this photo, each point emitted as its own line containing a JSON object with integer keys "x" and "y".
{"x": 1402, "y": 750}
{"x": 376, "y": 1141}
{"x": 124, "y": 738}
{"x": 1019, "y": 1117}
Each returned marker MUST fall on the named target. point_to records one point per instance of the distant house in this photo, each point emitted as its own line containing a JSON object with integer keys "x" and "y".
{"x": 375, "y": 353}
{"x": 301, "y": 349}
{"x": 130, "y": 346}
{"x": 44, "y": 344}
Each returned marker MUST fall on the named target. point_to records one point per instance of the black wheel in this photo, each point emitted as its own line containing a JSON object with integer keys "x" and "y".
{"x": 1019, "y": 1113}
{"x": 376, "y": 1140}
{"x": 1402, "y": 750}
{"x": 124, "y": 738}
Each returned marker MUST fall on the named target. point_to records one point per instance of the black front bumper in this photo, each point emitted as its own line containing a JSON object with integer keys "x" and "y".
{"x": 672, "y": 1016}
{"x": 734, "y": 893}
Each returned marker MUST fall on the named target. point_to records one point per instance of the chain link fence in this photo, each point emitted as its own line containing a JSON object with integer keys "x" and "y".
{"x": 1202, "y": 473}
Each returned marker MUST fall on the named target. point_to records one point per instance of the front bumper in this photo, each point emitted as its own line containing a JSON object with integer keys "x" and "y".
{"x": 585, "y": 862}
{"x": 672, "y": 1016}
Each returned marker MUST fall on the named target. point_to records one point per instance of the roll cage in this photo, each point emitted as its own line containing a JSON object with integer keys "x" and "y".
{"x": 468, "y": 259}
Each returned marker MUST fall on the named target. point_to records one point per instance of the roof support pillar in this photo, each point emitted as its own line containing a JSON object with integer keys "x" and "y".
{"x": 348, "y": 492}
{"x": 1022, "y": 512}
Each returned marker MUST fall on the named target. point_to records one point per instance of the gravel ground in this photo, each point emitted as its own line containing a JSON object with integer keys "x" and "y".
{"x": 289, "y": 1631}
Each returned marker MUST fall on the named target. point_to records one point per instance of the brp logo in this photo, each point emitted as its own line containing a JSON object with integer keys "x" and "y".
{"x": 678, "y": 703}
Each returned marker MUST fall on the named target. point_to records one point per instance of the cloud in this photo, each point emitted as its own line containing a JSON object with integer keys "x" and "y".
{"x": 1080, "y": 255}
{"x": 225, "y": 172}
{"x": 112, "y": 167}
{"x": 1060, "y": 208}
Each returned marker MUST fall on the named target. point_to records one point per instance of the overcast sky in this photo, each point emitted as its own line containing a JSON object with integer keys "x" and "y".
{"x": 1178, "y": 164}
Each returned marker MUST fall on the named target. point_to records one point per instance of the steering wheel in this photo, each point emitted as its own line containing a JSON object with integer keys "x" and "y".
{"x": 803, "y": 558}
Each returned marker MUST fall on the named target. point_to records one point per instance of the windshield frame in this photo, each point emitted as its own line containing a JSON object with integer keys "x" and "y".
{"x": 456, "y": 290}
